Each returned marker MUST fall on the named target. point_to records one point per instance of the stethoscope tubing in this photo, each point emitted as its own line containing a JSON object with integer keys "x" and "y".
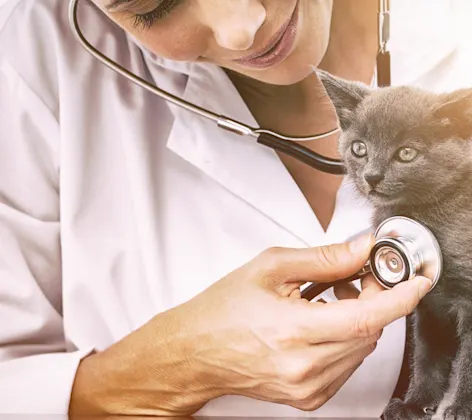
{"x": 285, "y": 144}
{"x": 276, "y": 141}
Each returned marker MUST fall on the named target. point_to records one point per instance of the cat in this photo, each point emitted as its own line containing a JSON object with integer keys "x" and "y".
{"x": 409, "y": 153}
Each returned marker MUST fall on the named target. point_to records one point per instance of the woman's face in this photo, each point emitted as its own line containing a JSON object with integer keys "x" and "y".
{"x": 274, "y": 41}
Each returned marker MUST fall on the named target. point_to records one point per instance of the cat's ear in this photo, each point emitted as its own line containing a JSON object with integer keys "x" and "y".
{"x": 454, "y": 114}
{"x": 345, "y": 95}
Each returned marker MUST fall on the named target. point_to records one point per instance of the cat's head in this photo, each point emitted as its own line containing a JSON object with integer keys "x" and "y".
{"x": 403, "y": 145}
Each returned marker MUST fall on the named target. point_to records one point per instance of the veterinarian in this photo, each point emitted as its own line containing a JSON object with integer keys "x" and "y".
{"x": 150, "y": 263}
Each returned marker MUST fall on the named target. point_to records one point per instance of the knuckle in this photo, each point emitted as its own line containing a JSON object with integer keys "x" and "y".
{"x": 371, "y": 347}
{"x": 315, "y": 402}
{"x": 288, "y": 337}
{"x": 302, "y": 395}
{"x": 329, "y": 392}
{"x": 270, "y": 259}
{"x": 409, "y": 307}
{"x": 295, "y": 372}
{"x": 310, "y": 398}
{"x": 373, "y": 339}
{"x": 404, "y": 310}
{"x": 318, "y": 366}
{"x": 358, "y": 356}
{"x": 363, "y": 326}
{"x": 307, "y": 406}
{"x": 378, "y": 334}
{"x": 356, "y": 359}
{"x": 325, "y": 256}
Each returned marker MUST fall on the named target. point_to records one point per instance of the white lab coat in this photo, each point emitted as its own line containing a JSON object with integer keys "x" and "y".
{"x": 115, "y": 206}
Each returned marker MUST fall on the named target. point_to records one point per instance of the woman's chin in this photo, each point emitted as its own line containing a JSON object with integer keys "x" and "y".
{"x": 283, "y": 74}
{"x": 284, "y": 77}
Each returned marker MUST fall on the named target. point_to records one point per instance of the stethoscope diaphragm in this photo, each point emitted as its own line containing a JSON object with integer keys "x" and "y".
{"x": 403, "y": 249}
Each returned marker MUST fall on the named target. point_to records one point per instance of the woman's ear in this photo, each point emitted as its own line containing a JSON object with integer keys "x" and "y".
{"x": 454, "y": 114}
{"x": 345, "y": 95}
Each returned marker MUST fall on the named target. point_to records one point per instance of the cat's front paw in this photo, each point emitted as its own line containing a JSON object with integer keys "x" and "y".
{"x": 399, "y": 410}
{"x": 458, "y": 412}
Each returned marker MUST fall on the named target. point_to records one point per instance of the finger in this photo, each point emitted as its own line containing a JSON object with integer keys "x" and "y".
{"x": 346, "y": 291}
{"x": 336, "y": 370}
{"x": 347, "y": 319}
{"x": 331, "y": 390}
{"x": 314, "y": 359}
{"x": 333, "y": 352}
{"x": 296, "y": 294}
{"x": 317, "y": 300}
{"x": 326, "y": 383}
{"x": 319, "y": 398}
{"x": 370, "y": 287}
{"x": 277, "y": 266}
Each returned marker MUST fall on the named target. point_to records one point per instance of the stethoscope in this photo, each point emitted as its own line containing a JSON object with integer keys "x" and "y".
{"x": 276, "y": 141}
{"x": 403, "y": 249}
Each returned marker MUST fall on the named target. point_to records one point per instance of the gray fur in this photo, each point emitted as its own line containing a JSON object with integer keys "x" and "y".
{"x": 435, "y": 189}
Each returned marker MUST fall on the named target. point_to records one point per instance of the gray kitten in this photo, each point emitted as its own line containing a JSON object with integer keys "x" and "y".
{"x": 409, "y": 152}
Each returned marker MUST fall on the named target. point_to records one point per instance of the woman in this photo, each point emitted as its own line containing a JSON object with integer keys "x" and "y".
{"x": 151, "y": 263}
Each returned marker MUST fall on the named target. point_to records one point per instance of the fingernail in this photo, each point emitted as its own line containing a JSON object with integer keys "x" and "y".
{"x": 361, "y": 244}
{"x": 425, "y": 285}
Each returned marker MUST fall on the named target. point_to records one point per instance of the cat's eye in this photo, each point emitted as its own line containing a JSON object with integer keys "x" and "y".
{"x": 359, "y": 149}
{"x": 407, "y": 154}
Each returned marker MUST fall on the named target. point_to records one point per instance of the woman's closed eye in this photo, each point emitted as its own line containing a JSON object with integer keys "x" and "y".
{"x": 147, "y": 20}
{"x": 145, "y": 12}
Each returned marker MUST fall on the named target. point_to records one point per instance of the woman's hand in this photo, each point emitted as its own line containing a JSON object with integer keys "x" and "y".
{"x": 249, "y": 334}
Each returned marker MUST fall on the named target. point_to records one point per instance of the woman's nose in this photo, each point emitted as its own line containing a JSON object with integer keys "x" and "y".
{"x": 235, "y": 23}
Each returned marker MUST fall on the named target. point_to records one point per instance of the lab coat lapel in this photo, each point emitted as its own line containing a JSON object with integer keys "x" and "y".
{"x": 247, "y": 169}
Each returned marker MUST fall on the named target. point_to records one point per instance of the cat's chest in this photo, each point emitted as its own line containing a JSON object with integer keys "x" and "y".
{"x": 383, "y": 213}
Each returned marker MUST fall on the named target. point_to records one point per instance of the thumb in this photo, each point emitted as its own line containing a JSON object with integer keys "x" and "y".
{"x": 321, "y": 264}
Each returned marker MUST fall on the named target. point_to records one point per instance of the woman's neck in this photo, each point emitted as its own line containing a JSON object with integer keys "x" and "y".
{"x": 303, "y": 109}
{"x": 297, "y": 107}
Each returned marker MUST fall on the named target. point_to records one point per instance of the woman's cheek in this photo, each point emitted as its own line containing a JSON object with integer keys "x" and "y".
{"x": 178, "y": 46}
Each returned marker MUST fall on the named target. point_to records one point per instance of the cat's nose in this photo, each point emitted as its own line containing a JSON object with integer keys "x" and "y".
{"x": 373, "y": 179}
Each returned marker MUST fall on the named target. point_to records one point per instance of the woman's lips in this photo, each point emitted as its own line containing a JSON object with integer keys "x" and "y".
{"x": 278, "y": 48}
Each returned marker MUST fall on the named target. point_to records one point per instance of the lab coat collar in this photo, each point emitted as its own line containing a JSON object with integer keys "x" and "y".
{"x": 250, "y": 171}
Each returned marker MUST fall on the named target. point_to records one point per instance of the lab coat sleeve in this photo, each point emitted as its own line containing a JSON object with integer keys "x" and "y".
{"x": 37, "y": 365}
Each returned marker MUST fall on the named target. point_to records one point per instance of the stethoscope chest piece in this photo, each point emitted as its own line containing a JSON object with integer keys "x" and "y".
{"x": 403, "y": 250}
